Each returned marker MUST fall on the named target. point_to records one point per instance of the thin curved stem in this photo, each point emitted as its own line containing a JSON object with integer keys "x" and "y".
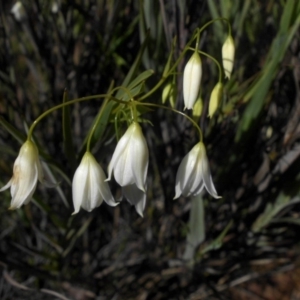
{"x": 30, "y": 131}
{"x": 88, "y": 145}
{"x": 162, "y": 80}
{"x": 215, "y": 61}
{"x": 178, "y": 112}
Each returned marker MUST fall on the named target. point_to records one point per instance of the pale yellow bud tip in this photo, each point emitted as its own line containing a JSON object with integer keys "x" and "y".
{"x": 215, "y": 99}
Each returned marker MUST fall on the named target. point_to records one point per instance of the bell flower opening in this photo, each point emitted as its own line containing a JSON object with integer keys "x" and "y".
{"x": 191, "y": 80}
{"x": 135, "y": 197}
{"x": 27, "y": 171}
{"x": 89, "y": 188}
{"x": 194, "y": 174}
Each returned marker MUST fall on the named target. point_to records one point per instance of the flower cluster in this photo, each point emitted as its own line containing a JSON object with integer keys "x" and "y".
{"x": 129, "y": 162}
{"x": 192, "y": 77}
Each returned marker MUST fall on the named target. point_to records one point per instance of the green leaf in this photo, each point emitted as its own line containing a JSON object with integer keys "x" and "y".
{"x": 140, "y": 78}
{"x": 272, "y": 209}
{"x": 258, "y": 94}
{"x": 101, "y": 126}
{"x": 218, "y": 242}
{"x": 20, "y": 137}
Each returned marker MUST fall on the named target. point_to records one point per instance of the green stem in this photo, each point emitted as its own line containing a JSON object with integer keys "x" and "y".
{"x": 88, "y": 144}
{"x": 162, "y": 80}
{"x": 215, "y": 61}
{"x": 212, "y": 21}
{"x": 126, "y": 90}
{"x": 58, "y": 107}
{"x": 196, "y": 35}
{"x": 178, "y": 112}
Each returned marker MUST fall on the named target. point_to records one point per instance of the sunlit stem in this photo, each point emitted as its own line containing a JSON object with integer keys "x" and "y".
{"x": 59, "y": 106}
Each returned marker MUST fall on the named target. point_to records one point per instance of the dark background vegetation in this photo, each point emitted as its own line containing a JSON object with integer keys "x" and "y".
{"x": 253, "y": 148}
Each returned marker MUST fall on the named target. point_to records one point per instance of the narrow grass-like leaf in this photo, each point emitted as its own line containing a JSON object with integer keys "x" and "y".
{"x": 218, "y": 242}
{"x": 271, "y": 210}
{"x": 78, "y": 234}
{"x": 20, "y": 137}
{"x": 140, "y": 78}
{"x": 259, "y": 92}
{"x": 105, "y": 117}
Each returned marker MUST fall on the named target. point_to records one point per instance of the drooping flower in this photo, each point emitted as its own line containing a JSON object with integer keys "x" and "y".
{"x": 215, "y": 99}
{"x": 194, "y": 174}
{"x": 27, "y": 171}
{"x": 18, "y": 11}
{"x": 228, "y": 50}
{"x": 191, "y": 80}
{"x": 129, "y": 164}
{"x": 89, "y": 188}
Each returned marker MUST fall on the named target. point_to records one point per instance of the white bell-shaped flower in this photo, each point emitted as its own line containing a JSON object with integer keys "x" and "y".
{"x": 26, "y": 172}
{"x": 129, "y": 164}
{"x": 191, "y": 80}
{"x": 194, "y": 174}
{"x": 228, "y": 51}
{"x": 89, "y": 187}
{"x": 18, "y": 11}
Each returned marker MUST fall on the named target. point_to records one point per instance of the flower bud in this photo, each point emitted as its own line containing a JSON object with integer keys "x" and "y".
{"x": 191, "y": 80}
{"x": 197, "y": 110}
{"x": 170, "y": 93}
{"x": 215, "y": 99}
{"x": 166, "y": 92}
{"x": 228, "y": 55}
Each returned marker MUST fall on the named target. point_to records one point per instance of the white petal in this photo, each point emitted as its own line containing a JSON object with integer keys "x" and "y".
{"x": 93, "y": 198}
{"x": 103, "y": 187}
{"x": 195, "y": 181}
{"x": 119, "y": 151}
{"x": 198, "y": 189}
{"x": 6, "y": 186}
{"x": 140, "y": 154}
{"x": 123, "y": 171}
{"x": 191, "y": 80}
{"x": 186, "y": 171}
{"x": 79, "y": 186}
{"x": 135, "y": 197}
{"x": 209, "y": 185}
{"x": 24, "y": 182}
